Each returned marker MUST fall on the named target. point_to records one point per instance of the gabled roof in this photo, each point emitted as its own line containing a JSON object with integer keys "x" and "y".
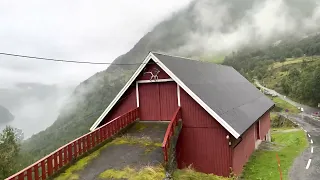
{"x": 223, "y": 92}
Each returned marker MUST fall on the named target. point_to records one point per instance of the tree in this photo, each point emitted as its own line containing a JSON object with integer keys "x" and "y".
{"x": 285, "y": 86}
{"x": 9, "y": 151}
{"x": 288, "y": 54}
{"x": 297, "y": 52}
{"x": 294, "y": 74}
{"x": 316, "y": 85}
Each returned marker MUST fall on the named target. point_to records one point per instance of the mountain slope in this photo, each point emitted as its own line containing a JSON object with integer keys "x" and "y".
{"x": 5, "y": 115}
{"x": 291, "y": 67}
{"x": 196, "y": 31}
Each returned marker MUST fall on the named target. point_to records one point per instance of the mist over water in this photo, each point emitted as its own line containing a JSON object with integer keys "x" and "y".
{"x": 34, "y": 106}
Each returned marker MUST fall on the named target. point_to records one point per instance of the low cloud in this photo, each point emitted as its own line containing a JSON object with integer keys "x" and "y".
{"x": 74, "y": 30}
{"x": 218, "y": 29}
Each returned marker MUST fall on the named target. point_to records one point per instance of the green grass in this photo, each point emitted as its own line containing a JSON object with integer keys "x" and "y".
{"x": 129, "y": 173}
{"x": 290, "y": 61}
{"x": 191, "y": 174}
{"x": 283, "y": 105}
{"x": 140, "y": 127}
{"x": 273, "y": 116}
{"x": 156, "y": 172}
{"x": 134, "y": 140}
{"x": 263, "y": 163}
{"x": 79, "y": 165}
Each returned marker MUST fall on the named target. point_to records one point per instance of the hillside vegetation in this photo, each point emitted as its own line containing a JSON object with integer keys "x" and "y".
{"x": 282, "y": 106}
{"x": 291, "y": 67}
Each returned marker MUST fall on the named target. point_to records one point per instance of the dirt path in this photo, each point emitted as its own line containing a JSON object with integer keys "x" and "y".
{"x": 139, "y": 147}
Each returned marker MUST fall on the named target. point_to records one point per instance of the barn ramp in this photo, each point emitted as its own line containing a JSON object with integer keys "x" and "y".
{"x": 121, "y": 147}
{"x": 138, "y": 148}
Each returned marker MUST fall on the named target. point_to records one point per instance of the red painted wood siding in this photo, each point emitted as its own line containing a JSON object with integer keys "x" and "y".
{"x": 168, "y": 99}
{"x": 127, "y": 102}
{"x": 149, "y": 101}
{"x": 149, "y": 67}
{"x": 157, "y": 101}
{"x": 202, "y": 142}
{"x": 244, "y": 149}
{"x": 242, "y": 152}
{"x": 264, "y": 124}
{"x": 154, "y": 98}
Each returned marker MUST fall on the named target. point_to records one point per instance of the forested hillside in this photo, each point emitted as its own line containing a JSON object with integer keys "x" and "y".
{"x": 290, "y": 66}
{"x": 178, "y": 35}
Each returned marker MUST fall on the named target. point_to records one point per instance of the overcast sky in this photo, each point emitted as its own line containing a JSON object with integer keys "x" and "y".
{"x": 74, "y": 30}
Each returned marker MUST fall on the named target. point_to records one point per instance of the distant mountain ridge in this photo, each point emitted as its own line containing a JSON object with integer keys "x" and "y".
{"x": 5, "y": 115}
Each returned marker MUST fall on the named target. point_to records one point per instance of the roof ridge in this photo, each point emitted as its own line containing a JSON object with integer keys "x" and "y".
{"x": 197, "y": 60}
{"x": 163, "y": 53}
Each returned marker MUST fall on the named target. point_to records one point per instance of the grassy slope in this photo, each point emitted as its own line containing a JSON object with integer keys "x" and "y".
{"x": 290, "y": 61}
{"x": 263, "y": 163}
{"x": 282, "y": 105}
{"x": 273, "y": 81}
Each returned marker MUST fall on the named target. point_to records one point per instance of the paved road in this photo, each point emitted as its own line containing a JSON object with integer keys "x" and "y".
{"x": 307, "y": 109}
{"x": 307, "y": 165}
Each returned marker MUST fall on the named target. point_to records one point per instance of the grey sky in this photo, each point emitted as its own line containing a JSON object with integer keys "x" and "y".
{"x": 96, "y": 30}
{"x": 75, "y": 30}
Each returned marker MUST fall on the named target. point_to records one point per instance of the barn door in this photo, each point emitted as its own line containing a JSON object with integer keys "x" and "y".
{"x": 157, "y": 101}
{"x": 168, "y": 100}
{"x": 149, "y": 101}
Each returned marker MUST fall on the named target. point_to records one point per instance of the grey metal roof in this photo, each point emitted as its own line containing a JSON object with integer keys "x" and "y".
{"x": 222, "y": 88}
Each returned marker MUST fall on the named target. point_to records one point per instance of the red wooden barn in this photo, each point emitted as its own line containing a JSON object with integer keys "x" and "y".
{"x": 223, "y": 114}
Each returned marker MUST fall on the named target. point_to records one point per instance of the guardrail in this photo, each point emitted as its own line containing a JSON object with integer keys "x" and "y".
{"x": 53, "y": 162}
{"x": 170, "y": 132}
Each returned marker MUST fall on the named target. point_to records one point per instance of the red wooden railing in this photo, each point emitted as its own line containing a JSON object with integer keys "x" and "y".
{"x": 170, "y": 132}
{"x": 53, "y": 162}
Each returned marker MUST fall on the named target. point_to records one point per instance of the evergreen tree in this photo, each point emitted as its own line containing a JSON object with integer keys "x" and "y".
{"x": 9, "y": 151}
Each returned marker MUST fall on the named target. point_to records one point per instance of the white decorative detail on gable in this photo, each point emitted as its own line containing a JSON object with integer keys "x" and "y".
{"x": 153, "y": 73}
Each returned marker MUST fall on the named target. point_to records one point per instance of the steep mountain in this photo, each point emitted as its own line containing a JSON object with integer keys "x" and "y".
{"x": 204, "y": 28}
{"x": 5, "y": 115}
